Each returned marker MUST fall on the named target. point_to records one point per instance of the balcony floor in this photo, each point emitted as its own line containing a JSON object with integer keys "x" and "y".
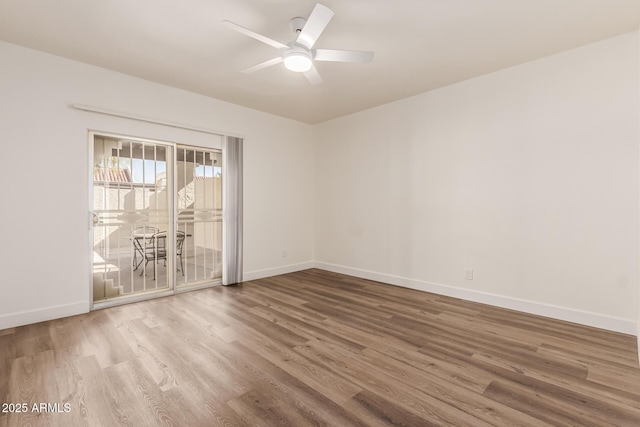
{"x": 117, "y": 276}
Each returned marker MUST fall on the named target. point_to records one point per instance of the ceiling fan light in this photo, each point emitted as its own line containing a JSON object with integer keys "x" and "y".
{"x": 298, "y": 62}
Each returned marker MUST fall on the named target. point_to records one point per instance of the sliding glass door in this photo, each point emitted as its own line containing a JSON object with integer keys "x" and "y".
{"x": 199, "y": 208}
{"x": 156, "y": 214}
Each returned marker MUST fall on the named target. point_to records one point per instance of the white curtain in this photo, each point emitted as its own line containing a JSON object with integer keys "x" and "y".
{"x": 232, "y": 207}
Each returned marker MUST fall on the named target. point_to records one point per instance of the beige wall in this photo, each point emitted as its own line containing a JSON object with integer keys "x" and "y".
{"x": 528, "y": 176}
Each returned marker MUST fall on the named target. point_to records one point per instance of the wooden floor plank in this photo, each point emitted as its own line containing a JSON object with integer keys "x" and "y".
{"x": 378, "y": 411}
{"x": 7, "y": 356}
{"x": 318, "y": 348}
{"x": 289, "y": 391}
{"x": 419, "y": 403}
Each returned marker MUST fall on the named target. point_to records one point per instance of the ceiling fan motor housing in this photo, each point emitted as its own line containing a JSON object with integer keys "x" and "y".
{"x": 297, "y": 58}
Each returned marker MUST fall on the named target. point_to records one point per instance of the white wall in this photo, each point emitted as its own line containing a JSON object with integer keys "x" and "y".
{"x": 44, "y": 175}
{"x": 528, "y": 176}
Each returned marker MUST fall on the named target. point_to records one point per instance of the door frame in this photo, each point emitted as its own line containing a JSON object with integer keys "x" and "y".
{"x": 171, "y": 226}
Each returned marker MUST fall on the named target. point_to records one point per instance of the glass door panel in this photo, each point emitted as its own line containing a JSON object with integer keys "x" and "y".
{"x": 199, "y": 209}
{"x": 133, "y": 250}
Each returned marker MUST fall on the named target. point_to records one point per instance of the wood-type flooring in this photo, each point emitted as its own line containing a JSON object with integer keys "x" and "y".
{"x": 316, "y": 348}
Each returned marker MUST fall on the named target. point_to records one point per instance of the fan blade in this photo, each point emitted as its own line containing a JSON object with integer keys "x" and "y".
{"x": 315, "y": 25}
{"x": 259, "y": 37}
{"x": 343, "y": 55}
{"x": 262, "y": 65}
{"x": 313, "y": 76}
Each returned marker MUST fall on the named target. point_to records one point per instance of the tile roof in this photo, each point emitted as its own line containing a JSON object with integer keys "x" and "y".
{"x": 111, "y": 175}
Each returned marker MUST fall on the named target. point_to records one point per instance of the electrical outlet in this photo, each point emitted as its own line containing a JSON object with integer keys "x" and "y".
{"x": 284, "y": 253}
{"x": 468, "y": 274}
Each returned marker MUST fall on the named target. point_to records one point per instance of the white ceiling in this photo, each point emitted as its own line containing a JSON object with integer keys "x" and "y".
{"x": 419, "y": 45}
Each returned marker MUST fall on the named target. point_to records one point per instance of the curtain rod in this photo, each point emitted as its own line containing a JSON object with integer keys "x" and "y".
{"x": 146, "y": 119}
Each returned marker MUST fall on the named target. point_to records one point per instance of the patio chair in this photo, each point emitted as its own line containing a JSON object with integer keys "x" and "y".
{"x": 180, "y": 235}
{"x": 156, "y": 250}
{"x": 140, "y": 237}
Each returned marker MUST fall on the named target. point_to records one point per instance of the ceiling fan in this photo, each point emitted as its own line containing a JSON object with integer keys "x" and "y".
{"x": 299, "y": 55}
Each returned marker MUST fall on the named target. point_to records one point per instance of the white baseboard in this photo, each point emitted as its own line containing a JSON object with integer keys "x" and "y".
{"x": 617, "y": 324}
{"x": 285, "y": 269}
{"x": 21, "y": 318}
{"x": 626, "y": 326}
